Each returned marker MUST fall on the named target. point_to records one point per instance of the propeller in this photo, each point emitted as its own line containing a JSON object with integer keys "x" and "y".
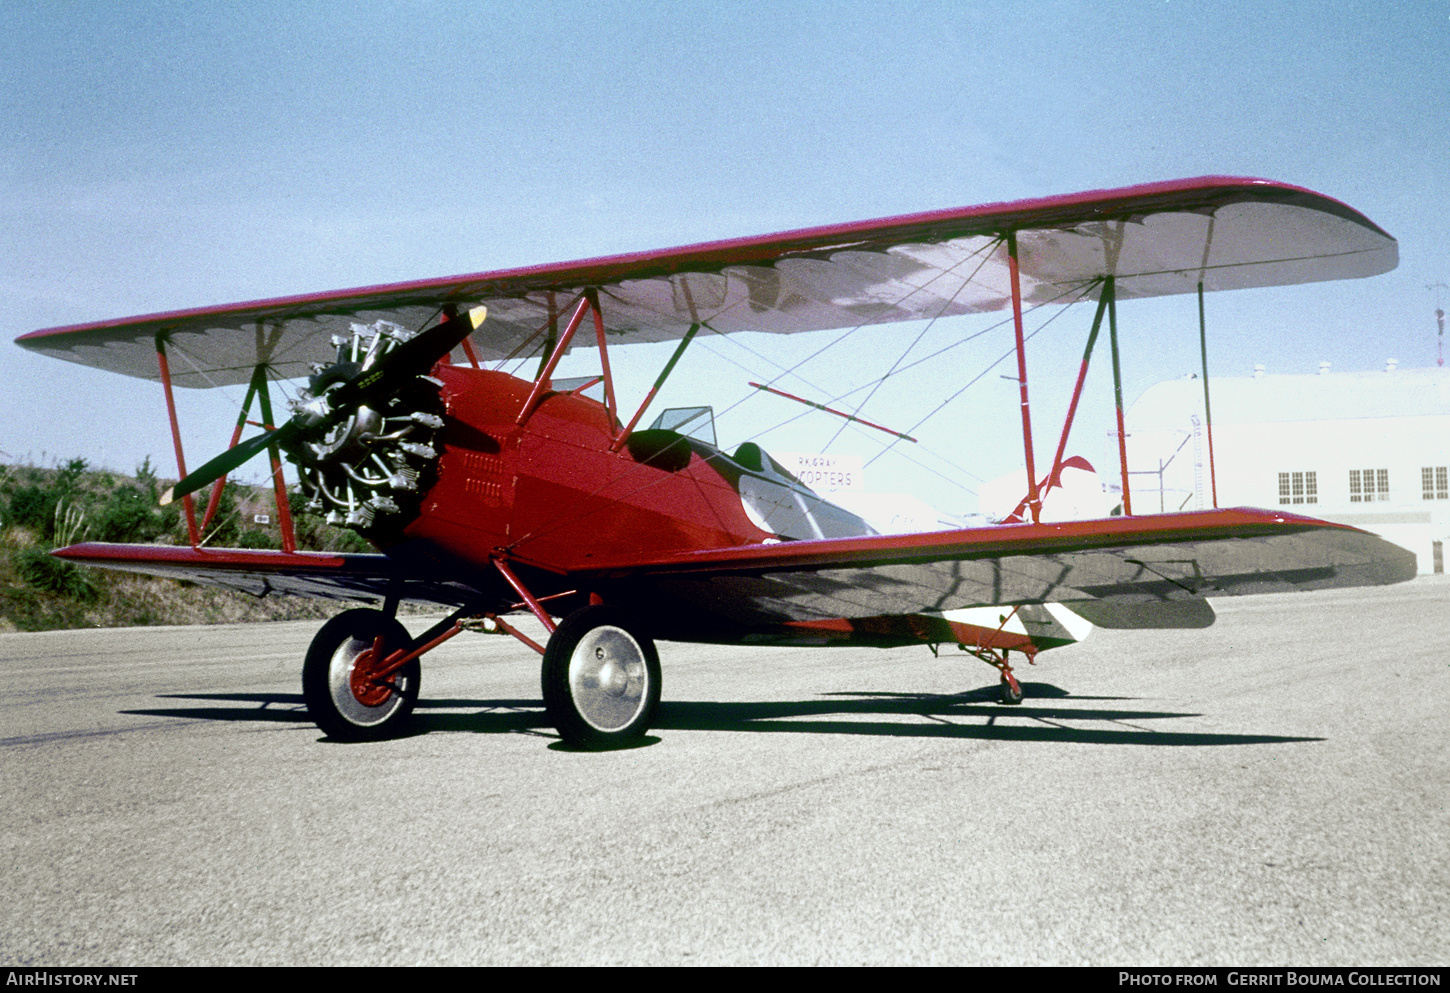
{"x": 372, "y": 386}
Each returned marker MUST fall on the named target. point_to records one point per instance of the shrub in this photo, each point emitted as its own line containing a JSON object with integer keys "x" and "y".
{"x": 52, "y": 575}
{"x": 33, "y": 507}
{"x": 252, "y": 538}
{"x": 129, "y": 515}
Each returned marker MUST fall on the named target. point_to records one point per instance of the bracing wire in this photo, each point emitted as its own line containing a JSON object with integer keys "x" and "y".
{"x": 1082, "y": 292}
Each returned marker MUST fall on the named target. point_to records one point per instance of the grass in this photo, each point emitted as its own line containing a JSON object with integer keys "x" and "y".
{"x": 42, "y": 508}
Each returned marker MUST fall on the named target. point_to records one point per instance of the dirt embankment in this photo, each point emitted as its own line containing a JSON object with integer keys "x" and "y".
{"x": 44, "y": 508}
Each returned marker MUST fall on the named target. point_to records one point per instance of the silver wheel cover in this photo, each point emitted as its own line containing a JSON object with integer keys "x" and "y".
{"x": 339, "y": 685}
{"x": 608, "y": 679}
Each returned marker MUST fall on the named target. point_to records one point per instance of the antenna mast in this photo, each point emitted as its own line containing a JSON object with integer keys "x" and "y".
{"x": 1439, "y": 320}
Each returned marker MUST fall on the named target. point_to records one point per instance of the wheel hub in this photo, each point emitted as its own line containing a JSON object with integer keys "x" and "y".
{"x": 365, "y": 688}
{"x": 607, "y": 678}
{"x": 613, "y": 680}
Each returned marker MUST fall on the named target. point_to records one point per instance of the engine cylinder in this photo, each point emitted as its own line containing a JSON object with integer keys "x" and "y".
{"x": 371, "y": 469}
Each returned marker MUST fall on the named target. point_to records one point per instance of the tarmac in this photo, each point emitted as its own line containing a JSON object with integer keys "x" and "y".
{"x": 1269, "y": 791}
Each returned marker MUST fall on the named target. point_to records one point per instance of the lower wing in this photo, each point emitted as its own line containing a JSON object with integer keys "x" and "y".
{"x": 1135, "y": 572}
{"x": 328, "y": 575}
{"x": 1152, "y": 571}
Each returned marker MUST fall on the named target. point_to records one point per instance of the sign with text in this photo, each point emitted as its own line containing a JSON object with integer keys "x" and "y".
{"x": 824, "y": 473}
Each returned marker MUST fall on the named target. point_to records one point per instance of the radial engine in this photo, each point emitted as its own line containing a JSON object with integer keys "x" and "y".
{"x": 370, "y": 470}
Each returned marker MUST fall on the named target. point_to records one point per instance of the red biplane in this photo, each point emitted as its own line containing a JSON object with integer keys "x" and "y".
{"x": 495, "y": 494}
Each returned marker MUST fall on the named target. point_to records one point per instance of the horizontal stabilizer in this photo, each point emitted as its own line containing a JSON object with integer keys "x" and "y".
{"x": 1149, "y": 614}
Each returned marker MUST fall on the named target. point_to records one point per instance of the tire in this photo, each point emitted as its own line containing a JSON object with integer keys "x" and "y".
{"x": 1011, "y": 694}
{"x": 601, "y": 679}
{"x": 327, "y": 678}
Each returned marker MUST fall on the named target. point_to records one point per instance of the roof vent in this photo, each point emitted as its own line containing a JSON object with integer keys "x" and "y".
{"x": 1390, "y": 364}
{"x": 1258, "y": 370}
{"x": 1323, "y": 368}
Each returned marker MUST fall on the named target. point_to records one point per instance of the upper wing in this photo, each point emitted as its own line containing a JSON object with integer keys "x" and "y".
{"x": 1156, "y": 239}
{"x": 1132, "y": 562}
{"x": 328, "y": 575}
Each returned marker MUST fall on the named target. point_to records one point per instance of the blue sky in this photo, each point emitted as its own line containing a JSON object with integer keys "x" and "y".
{"x": 166, "y": 155}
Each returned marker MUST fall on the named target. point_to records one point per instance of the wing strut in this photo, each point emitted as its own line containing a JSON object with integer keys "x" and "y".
{"x": 1207, "y": 412}
{"x": 1034, "y": 500}
{"x": 1107, "y": 303}
{"x": 221, "y": 483}
{"x": 1054, "y": 478}
{"x": 257, "y": 389}
{"x": 590, "y": 303}
{"x": 187, "y": 505}
{"x": 279, "y": 484}
{"x": 1110, "y": 291}
{"x": 669, "y": 368}
{"x": 553, "y": 336}
{"x": 547, "y": 369}
{"x": 610, "y": 404}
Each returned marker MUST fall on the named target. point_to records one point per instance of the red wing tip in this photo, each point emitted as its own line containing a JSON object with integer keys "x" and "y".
{"x": 100, "y": 552}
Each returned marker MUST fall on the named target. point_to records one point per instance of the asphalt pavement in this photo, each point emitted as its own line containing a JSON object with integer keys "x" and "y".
{"x": 1268, "y": 791}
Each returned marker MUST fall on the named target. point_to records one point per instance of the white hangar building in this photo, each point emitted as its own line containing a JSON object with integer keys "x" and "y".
{"x": 1369, "y": 449}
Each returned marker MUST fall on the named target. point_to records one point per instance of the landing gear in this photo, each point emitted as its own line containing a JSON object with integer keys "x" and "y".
{"x": 1011, "y": 692}
{"x": 601, "y": 678}
{"x": 344, "y": 697}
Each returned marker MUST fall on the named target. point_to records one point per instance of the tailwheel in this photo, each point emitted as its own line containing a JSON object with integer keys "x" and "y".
{"x": 601, "y": 678}
{"x": 1011, "y": 692}
{"x": 344, "y": 695}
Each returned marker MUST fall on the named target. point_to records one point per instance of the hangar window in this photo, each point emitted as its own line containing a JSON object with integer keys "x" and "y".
{"x": 1369, "y": 485}
{"x": 1435, "y": 482}
{"x": 1298, "y": 487}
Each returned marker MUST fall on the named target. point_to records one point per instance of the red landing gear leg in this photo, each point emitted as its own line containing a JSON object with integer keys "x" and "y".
{"x": 600, "y": 674}
{"x": 360, "y": 680}
{"x": 997, "y": 658}
{"x": 1011, "y": 693}
{"x": 986, "y": 648}
{"x": 348, "y": 690}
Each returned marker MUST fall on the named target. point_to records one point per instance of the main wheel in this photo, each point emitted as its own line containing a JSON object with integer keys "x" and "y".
{"x": 341, "y": 696}
{"x": 601, "y": 678}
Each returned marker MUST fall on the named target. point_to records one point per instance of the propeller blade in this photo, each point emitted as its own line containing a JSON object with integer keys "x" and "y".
{"x": 227, "y": 461}
{"x": 413, "y": 357}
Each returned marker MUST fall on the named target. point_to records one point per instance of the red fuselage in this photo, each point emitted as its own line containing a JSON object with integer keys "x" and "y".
{"x": 552, "y": 493}
{"x": 552, "y": 496}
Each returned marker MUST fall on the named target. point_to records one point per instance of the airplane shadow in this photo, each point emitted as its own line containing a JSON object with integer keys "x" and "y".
{"x": 973, "y": 714}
